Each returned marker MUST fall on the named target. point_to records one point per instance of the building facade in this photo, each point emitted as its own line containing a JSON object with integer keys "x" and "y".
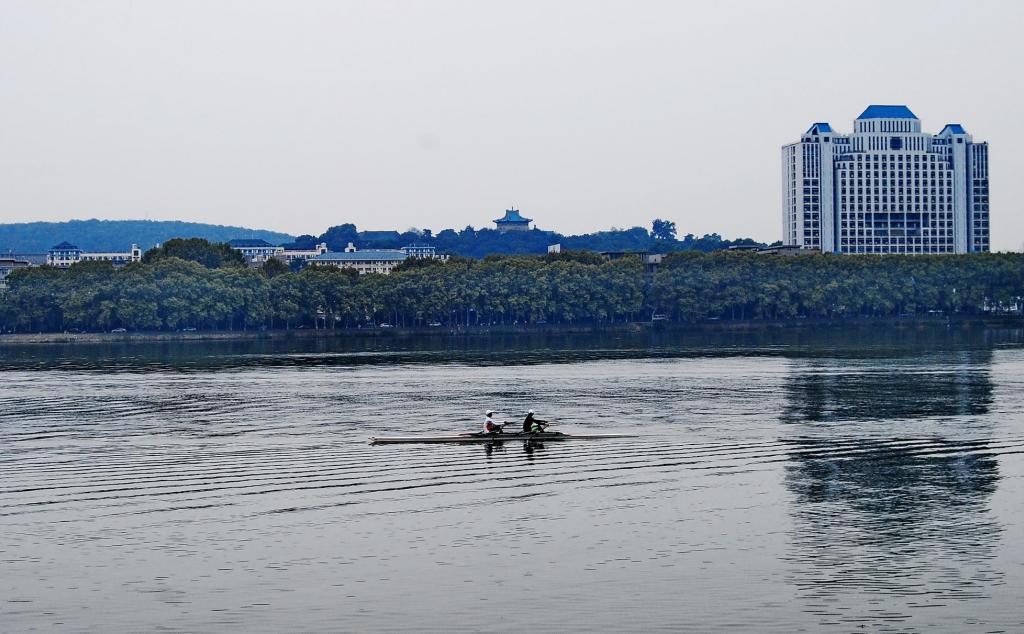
{"x": 886, "y": 188}
{"x": 255, "y": 251}
{"x": 381, "y": 261}
{"x": 512, "y": 221}
{"x": 292, "y": 255}
{"x": 66, "y": 254}
{"x": 8, "y": 266}
{"x": 423, "y": 252}
{"x": 63, "y": 255}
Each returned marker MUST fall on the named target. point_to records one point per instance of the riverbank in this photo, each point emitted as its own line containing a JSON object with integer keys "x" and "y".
{"x": 14, "y": 339}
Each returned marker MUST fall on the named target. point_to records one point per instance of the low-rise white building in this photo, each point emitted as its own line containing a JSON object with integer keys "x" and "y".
{"x": 420, "y": 251}
{"x": 292, "y": 255}
{"x": 8, "y": 266}
{"x": 255, "y": 251}
{"x": 423, "y": 252}
{"x": 381, "y": 261}
{"x": 66, "y": 254}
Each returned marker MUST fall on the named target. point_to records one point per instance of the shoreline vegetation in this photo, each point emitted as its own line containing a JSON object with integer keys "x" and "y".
{"x": 192, "y": 288}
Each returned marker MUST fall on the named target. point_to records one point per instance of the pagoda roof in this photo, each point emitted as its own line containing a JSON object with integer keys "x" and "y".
{"x": 64, "y": 246}
{"x": 512, "y": 215}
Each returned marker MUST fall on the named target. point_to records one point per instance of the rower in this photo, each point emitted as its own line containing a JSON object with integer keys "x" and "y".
{"x": 491, "y": 427}
{"x": 533, "y": 425}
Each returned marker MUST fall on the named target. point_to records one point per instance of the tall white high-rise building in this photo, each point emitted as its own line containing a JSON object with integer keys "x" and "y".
{"x": 886, "y": 188}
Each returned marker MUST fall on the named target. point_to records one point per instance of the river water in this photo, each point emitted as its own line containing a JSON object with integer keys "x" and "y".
{"x": 781, "y": 481}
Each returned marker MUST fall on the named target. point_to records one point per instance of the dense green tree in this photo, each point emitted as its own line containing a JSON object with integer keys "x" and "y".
{"x": 274, "y": 267}
{"x": 211, "y": 255}
{"x": 338, "y": 237}
{"x": 34, "y": 301}
{"x": 286, "y": 301}
{"x": 305, "y": 242}
{"x": 663, "y": 229}
{"x": 169, "y": 293}
{"x": 584, "y": 257}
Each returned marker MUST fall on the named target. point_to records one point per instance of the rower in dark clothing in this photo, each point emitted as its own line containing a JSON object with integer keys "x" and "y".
{"x": 533, "y": 425}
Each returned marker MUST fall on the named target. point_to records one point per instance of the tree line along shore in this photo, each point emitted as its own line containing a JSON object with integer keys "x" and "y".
{"x": 208, "y": 290}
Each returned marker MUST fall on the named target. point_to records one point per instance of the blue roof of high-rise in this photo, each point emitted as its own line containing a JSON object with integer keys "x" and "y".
{"x": 887, "y": 112}
{"x": 955, "y": 128}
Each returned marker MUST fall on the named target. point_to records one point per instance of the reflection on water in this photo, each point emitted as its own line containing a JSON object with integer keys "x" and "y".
{"x": 936, "y": 384}
{"x": 781, "y": 481}
{"x": 847, "y": 341}
{"x": 891, "y": 527}
{"x": 890, "y": 504}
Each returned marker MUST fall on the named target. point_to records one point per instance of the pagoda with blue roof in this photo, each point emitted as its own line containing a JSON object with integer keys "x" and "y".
{"x": 512, "y": 221}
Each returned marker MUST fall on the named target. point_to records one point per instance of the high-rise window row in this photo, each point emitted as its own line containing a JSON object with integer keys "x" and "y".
{"x": 886, "y": 188}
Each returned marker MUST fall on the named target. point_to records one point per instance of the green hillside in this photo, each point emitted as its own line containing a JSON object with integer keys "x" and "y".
{"x": 118, "y": 235}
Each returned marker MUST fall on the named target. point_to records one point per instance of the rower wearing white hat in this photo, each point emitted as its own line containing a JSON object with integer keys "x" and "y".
{"x": 491, "y": 427}
{"x": 533, "y": 425}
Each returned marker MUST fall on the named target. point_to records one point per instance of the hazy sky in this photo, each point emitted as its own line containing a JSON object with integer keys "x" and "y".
{"x": 585, "y": 115}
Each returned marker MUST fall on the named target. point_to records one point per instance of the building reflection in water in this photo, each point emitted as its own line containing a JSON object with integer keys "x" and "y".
{"x": 890, "y": 508}
{"x": 840, "y": 389}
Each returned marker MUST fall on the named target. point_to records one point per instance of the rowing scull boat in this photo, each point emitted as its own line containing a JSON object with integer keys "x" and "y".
{"x": 479, "y": 437}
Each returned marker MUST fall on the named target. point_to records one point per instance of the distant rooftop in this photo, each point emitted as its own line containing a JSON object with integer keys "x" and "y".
{"x": 887, "y": 112}
{"x": 512, "y": 215}
{"x": 248, "y": 243}
{"x": 955, "y": 128}
{"x": 64, "y": 246}
{"x": 365, "y": 254}
{"x": 31, "y": 258}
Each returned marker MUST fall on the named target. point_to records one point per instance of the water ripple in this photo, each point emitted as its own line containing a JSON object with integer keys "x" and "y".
{"x": 772, "y": 488}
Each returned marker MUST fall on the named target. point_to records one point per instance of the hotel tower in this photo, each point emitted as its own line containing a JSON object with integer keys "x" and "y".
{"x": 886, "y": 188}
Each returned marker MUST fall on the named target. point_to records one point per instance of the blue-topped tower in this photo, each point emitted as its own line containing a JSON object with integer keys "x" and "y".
{"x": 886, "y": 188}
{"x": 512, "y": 221}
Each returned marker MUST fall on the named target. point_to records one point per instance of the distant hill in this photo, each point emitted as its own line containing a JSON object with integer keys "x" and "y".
{"x": 118, "y": 235}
